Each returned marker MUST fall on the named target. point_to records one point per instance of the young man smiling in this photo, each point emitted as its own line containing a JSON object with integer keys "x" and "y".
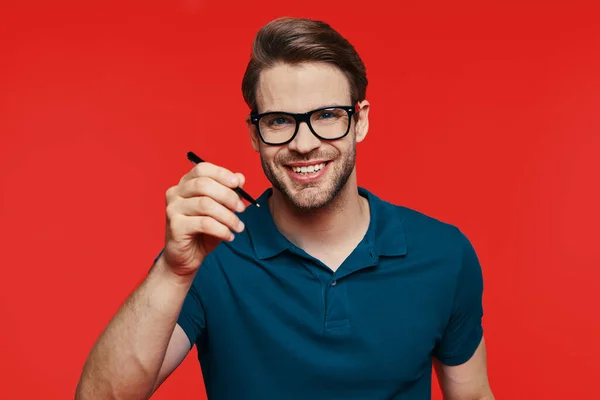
{"x": 326, "y": 291}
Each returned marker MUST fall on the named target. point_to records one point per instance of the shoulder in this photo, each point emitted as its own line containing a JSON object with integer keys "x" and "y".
{"x": 443, "y": 251}
{"x": 443, "y": 239}
{"x": 429, "y": 236}
{"x": 427, "y": 225}
{"x": 421, "y": 226}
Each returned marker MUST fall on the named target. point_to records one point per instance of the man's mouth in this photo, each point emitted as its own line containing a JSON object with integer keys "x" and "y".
{"x": 307, "y": 169}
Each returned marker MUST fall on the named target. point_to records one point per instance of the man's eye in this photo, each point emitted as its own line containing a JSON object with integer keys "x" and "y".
{"x": 328, "y": 114}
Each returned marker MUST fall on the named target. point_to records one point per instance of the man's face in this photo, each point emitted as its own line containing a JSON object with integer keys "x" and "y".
{"x": 293, "y": 168}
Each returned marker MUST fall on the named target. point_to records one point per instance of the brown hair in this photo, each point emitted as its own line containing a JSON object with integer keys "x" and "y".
{"x": 297, "y": 40}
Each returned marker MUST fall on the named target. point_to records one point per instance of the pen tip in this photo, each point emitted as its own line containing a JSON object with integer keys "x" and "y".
{"x": 257, "y": 205}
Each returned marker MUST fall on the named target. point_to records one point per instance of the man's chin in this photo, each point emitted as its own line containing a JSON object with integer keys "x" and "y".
{"x": 308, "y": 198}
{"x": 305, "y": 196}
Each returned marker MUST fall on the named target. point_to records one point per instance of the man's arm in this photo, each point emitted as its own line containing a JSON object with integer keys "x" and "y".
{"x": 179, "y": 347}
{"x": 467, "y": 381}
{"x": 126, "y": 360}
{"x": 141, "y": 346}
{"x": 460, "y": 356}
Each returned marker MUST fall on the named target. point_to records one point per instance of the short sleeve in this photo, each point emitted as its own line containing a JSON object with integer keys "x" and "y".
{"x": 464, "y": 330}
{"x": 191, "y": 317}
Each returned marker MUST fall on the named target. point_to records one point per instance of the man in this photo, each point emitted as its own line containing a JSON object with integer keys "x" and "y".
{"x": 324, "y": 291}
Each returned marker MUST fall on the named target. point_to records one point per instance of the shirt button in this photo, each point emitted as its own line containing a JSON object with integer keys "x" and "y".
{"x": 333, "y": 283}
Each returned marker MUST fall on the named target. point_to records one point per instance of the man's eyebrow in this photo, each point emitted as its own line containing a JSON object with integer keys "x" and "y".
{"x": 328, "y": 105}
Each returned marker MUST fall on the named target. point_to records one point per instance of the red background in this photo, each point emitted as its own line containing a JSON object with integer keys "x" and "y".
{"x": 484, "y": 114}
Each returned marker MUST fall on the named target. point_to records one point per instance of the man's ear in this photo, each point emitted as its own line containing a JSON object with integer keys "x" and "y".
{"x": 254, "y": 139}
{"x": 362, "y": 121}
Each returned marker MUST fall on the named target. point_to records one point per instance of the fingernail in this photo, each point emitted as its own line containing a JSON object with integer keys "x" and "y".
{"x": 240, "y": 226}
{"x": 231, "y": 237}
{"x": 239, "y": 206}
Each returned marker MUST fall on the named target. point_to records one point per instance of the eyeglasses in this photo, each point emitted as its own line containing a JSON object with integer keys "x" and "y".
{"x": 326, "y": 123}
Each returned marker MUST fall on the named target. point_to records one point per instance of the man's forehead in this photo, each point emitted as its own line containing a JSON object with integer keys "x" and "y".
{"x": 301, "y": 88}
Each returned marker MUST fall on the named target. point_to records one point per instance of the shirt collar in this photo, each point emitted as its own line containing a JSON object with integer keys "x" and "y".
{"x": 386, "y": 231}
{"x": 266, "y": 239}
{"x": 385, "y": 234}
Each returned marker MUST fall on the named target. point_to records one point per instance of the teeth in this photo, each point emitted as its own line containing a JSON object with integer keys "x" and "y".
{"x": 308, "y": 169}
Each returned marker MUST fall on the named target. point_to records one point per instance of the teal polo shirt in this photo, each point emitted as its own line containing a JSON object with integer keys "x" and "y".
{"x": 272, "y": 322}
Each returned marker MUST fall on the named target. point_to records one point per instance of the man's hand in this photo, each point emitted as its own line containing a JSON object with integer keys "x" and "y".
{"x": 200, "y": 214}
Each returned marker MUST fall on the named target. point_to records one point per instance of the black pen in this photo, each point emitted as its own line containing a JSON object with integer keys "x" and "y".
{"x": 197, "y": 160}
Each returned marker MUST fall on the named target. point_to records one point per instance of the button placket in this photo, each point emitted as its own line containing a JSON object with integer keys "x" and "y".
{"x": 336, "y": 316}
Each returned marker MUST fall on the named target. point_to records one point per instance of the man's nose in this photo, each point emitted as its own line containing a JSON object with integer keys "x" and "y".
{"x": 305, "y": 141}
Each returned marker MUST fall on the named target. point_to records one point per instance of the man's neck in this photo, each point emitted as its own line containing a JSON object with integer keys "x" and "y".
{"x": 338, "y": 224}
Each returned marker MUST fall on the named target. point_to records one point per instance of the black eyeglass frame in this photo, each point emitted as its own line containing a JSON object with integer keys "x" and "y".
{"x": 303, "y": 117}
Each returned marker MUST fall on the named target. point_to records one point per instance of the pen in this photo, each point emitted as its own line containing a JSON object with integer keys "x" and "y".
{"x": 196, "y": 160}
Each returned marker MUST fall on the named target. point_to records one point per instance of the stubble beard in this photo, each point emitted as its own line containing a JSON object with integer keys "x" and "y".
{"x": 311, "y": 196}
